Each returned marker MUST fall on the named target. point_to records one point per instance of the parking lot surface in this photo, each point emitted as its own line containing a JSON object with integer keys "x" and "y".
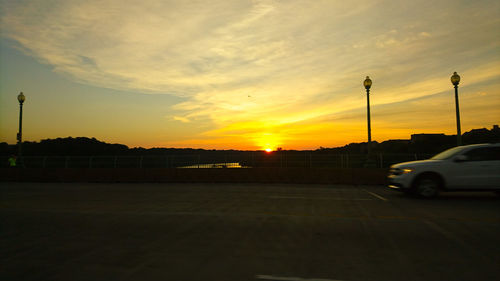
{"x": 75, "y": 231}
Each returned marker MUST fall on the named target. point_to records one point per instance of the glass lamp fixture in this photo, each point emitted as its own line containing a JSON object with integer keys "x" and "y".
{"x": 21, "y": 98}
{"x": 367, "y": 83}
{"x": 455, "y": 79}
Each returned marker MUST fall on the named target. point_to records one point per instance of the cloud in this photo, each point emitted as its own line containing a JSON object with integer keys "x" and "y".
{"x": 272, "y": 62}
{"x": 181, "y": 119}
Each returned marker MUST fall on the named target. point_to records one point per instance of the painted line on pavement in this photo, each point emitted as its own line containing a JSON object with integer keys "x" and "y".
{"x": 278, "y": 278}
{"x": 376, "y": 195}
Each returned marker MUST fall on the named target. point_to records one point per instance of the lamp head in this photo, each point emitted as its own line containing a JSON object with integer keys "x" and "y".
{"x": 21, "y": 98}
{"x": 367, "y": 83}
{"x": 455, "y": 79}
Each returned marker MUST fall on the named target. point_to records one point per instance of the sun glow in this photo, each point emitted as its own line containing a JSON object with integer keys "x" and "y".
{"x": 268, "y": 141}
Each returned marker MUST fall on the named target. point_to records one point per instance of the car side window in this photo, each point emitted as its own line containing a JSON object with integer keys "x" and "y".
{"x": 483, "y": 154}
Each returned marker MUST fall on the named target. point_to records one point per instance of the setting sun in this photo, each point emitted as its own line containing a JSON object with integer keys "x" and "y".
{"x": 268, "y": 141}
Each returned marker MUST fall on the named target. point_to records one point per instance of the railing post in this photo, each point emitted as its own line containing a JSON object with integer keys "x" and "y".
{"x": 114, "y": 161}
{"x": 381, "y": 160}
{"x": 90, "y": 162}
{"x": 66, "y": 162}
{"x": 44, "y": 161}
{"x": 140, "y": 162}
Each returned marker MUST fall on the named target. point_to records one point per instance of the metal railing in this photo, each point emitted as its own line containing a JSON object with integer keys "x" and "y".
{"x": 241, "y": 160}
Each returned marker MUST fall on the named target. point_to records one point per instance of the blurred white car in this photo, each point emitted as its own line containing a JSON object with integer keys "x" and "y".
{"x": 463, "y": 168}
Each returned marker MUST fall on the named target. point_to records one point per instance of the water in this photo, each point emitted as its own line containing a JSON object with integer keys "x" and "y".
{"x": 214, "y": 166}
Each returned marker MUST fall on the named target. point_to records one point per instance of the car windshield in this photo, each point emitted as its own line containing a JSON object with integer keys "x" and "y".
{"x": 447, "y": 153}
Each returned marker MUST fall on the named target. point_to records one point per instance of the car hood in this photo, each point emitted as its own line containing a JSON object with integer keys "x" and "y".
{"x": 416, "y": 163}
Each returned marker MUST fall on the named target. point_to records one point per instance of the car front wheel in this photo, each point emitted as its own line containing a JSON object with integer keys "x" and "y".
{"x": 427, "y": 186}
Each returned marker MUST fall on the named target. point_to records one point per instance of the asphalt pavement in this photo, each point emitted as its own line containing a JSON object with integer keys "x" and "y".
{"x": 75, "y": 231}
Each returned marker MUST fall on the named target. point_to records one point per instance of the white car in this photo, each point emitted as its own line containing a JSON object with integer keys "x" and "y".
{"x": 463, "y": 168}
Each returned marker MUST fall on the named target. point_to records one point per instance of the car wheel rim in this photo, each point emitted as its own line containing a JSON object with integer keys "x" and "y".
{"x": 427, "y": 188}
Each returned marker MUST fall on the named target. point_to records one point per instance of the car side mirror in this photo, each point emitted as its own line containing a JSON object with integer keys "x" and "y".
{"x": 461, "y": 158}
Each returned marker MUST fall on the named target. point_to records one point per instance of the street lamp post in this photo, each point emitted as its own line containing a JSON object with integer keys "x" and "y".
{"x": 368, "y": 83}
{"x": 455, "y": 79}
{"x": 21, "y": 98}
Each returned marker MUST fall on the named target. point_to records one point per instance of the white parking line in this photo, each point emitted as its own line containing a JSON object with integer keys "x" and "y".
{"x": 376, "y": 195}
{"x": 278, "y": 278}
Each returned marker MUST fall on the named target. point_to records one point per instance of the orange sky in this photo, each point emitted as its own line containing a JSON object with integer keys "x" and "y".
{"x": 246, "y": 75}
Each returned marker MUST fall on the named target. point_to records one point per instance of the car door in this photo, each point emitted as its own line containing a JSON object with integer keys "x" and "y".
{"x": 479, "y": 169}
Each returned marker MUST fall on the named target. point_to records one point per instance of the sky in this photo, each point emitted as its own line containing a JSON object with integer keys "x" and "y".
{"x": 246, "y": 74}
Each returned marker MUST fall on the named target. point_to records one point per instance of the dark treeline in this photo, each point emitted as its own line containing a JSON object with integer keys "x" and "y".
{"x": 82, "y": 146}
{"x": 421, "y": 143}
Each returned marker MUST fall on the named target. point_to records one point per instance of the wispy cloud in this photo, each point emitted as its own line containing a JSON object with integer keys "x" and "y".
{"x": 267, "y": 62}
